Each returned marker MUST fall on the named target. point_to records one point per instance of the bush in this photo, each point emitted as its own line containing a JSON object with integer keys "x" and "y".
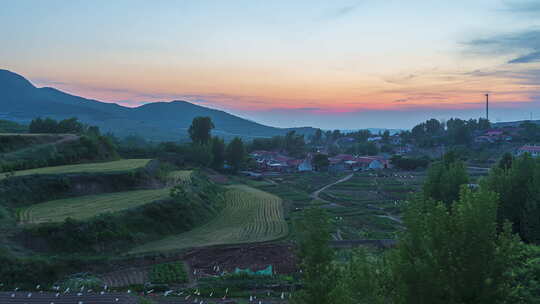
{"x": 168, "y": 273}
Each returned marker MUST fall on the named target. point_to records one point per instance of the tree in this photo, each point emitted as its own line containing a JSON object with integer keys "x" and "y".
{"x": 454, "y": 254}
{"x": 386, "y": 136}
{"x": 317, "y": 137}
{"x": 218, "y": 152}
{"x": 506, "y": 161}
{"x": 320, "y": 162}
{"x": 235, "y": 154}
{"x": 294, "y": 144}
{"x": 200, "y": 129}
{"x": 318, "y": 274}
{"x": 444, "y": 179}
{"x": 519, "y": 190}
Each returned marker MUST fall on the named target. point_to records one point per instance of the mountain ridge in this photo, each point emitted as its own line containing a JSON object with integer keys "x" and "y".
{"x": 21, "y": 101}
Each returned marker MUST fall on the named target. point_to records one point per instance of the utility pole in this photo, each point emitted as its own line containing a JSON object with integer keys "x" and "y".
{"x": 487, "y": 107}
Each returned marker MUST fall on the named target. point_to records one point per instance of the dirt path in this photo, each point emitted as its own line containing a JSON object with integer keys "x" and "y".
{"x": 315, "y": 195}
{"x": 387, "y": 215}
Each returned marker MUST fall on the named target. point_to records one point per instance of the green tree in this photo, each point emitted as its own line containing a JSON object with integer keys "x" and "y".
{"x": 454, "y": 254}
{"x": 218, "y": 152}
{"x": 506, "y": 161}
{"x": 318, "y": 273}
{"x": 444, "y": 180}
{"x": 317, "y": 137}
{"x": 200, "y": 130}
{"x": 519, "y": 191}
{"x": 235, "y": 154}
{"x": 320, "y": 162}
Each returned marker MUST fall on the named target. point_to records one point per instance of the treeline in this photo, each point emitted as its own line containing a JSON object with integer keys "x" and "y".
{"x": 452, "y": 132}
{"x": 7, "y": 126}
{"x": 90, "y": 145}
{"x": 462, "y": 243}
{"x": 51, "y": 126}
{"x": 292, "y": 143}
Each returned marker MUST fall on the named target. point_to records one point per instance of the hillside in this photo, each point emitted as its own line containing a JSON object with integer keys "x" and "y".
{"x": 21, "y": 101}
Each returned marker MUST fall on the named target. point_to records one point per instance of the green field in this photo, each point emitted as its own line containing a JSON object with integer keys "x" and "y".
{"x": 250, "y": 215}
{"x": 105, "y": 167}
{"x": 88, "y": 206}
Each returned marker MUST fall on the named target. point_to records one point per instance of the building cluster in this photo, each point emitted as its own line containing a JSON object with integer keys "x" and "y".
{"x": 272, "y": 161}
{"x": 497, "y": 135}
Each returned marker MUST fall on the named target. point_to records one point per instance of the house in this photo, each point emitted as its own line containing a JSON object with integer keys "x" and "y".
{"x": 533, "y": 150}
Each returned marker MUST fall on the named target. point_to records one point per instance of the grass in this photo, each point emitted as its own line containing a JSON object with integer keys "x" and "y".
{"x": 88, "y": 206}
{"x": 250, "y": 215}
{"x": 105, "y": 167}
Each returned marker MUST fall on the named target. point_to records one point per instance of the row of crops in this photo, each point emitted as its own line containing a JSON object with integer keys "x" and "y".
{"x": 250, "y": 215}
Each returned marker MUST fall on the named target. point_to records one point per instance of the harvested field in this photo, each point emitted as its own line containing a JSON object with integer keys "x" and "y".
{"x": 250, "y": 215}
{"x": 105, "y": 167}
{"x": 88, "y": 206}
{"x": 180, "y": 176}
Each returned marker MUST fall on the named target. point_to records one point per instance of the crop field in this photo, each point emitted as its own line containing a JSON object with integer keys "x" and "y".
{"x": 250, "y": 215}
{"x": 369, "y": 205}
{"x": 88, "y": 206}
{"x": 105, "y": 167}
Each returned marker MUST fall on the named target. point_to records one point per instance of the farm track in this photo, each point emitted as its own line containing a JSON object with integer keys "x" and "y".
{"x": 250, "y": 215}
{"x": 315, "y": 195}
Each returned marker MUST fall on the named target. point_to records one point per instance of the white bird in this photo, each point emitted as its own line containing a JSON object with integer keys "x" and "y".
{"x": 29, "y": 295}
{"x": 129, "y": 291}
{"x": 79, "y": 294}
{"x": 37, "y": 287}
{"x": 102, "y": 293}
{"x": 57, "y": 294}
{"x": 13, "y": 295}
{"x": 116, "y": 300}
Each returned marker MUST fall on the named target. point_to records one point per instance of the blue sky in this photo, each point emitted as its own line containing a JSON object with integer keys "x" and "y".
{"x": 330, "y": 64}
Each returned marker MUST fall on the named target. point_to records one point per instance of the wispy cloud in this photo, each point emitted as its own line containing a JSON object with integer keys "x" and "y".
{"x": 524, "y": 46}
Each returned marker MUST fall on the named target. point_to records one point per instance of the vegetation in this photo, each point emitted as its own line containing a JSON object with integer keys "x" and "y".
{"x": 249, "y": 215}
{"x": 517, "y": 182}
{"x": 200, "y": 129}
{"x": 69, "y": 150}
{"x": 235, "y": 154}
{"x": 197, "y": 203}
{"x": 168, "y": 273}
{"x": 318, "y": 275}
{"x": 7, "y": 126}
{"x": 49, "y": 125}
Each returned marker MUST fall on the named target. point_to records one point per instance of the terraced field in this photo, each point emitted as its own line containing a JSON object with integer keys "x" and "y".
{"x": 105, "y": 167}
{"x": 250, "y": 215}
{"x": 88, "y": 206}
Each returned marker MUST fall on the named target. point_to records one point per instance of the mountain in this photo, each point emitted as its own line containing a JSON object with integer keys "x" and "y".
{"x": 21, "y": 101}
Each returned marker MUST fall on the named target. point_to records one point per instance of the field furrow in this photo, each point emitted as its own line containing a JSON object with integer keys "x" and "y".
{"x": 250, "y": 215}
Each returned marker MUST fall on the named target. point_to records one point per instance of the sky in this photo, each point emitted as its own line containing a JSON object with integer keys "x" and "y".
{"x": 328, "y": 64}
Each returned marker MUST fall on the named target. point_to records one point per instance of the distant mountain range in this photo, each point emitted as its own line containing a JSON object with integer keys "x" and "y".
{"x": 21, "y": 101}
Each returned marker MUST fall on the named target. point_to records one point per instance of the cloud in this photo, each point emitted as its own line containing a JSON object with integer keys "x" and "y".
{"x": 341, "y": 12}
{"x": 523, "y": 6}
{"x": 525, "y": 43}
